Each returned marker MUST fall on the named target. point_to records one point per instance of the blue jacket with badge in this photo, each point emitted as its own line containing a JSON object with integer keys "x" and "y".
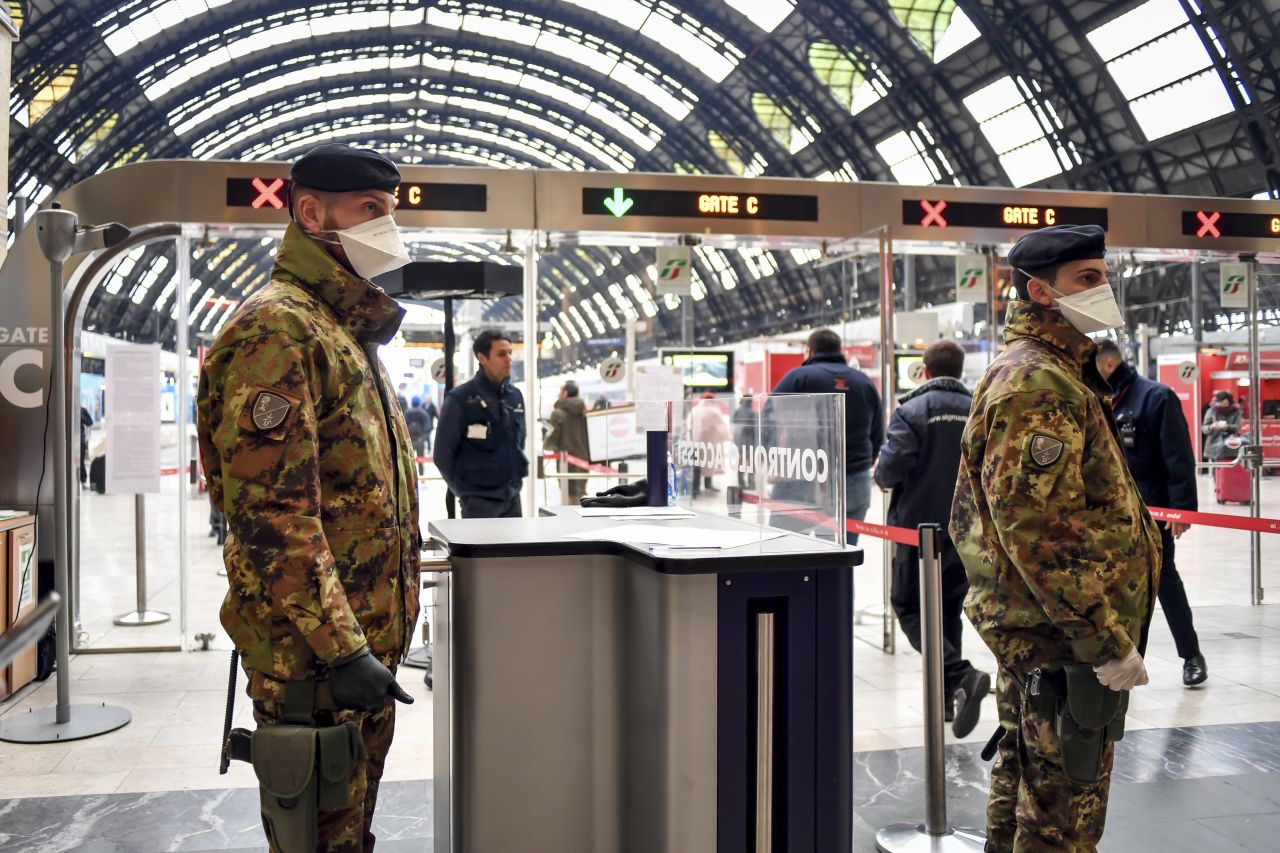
{"x": 1153, "y": 432}
{"x": 480, "y": 440}
{"x": 920, "y": 460}
{"x": 829, "y": 373}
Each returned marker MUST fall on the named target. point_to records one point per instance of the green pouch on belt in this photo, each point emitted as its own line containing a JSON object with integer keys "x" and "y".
{"x": 1090, "y": 717}
{"x": 284, "y": 759}
{"x": 341, "y": 750}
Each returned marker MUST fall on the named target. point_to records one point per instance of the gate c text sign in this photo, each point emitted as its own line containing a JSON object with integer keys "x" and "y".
{"x": 273, "y": 194}
{"x": 692, "y": 204}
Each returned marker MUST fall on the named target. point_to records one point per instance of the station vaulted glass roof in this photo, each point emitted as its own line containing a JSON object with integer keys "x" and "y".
{"x": 1165, "y": 96}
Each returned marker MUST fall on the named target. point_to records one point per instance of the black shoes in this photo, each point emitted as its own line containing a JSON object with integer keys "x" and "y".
{"x": 1194, "y": 671}
{"x": 949, "y": 709}
{"x": 968, "y": 698}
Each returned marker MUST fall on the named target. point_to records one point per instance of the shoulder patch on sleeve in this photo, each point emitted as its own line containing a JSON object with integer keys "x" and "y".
{"x": 269, "y": 412}
{"x": 1044, "y": 450}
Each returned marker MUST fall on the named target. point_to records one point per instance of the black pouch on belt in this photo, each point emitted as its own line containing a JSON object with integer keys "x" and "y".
{"x": 1086, "y": 715}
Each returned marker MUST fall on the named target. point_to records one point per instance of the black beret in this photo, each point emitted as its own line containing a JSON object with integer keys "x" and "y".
{"x": 338, "y": 168}
{"x": 1056, "y": 245}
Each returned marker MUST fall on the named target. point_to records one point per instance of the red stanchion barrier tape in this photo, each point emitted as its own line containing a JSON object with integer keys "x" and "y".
{"x": 1216, "y": 519}
{"x": 901, "y": 535}
{"x": 593, "y": 467}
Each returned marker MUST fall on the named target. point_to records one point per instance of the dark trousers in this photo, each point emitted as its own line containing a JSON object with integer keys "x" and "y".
{"x": 1173, "y": 599}
{"x": 474, "y": 506}
{"x": 906, "y": 604}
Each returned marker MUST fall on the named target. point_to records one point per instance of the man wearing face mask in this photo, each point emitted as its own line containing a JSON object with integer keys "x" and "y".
{"x": 308, "y": 455}
{"x": 1062, "y": 557}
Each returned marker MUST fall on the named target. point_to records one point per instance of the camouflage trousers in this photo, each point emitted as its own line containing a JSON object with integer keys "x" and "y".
{"x": 1033, "y": 807}
{"x": 348, "y": 829}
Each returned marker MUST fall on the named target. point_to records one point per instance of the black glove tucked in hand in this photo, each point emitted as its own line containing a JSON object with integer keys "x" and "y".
{"x": 362, "y": 683}
{"x": 622, "y": 495}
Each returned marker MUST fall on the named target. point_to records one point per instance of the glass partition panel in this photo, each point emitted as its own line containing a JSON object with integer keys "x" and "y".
{"x": 776, "y": 462}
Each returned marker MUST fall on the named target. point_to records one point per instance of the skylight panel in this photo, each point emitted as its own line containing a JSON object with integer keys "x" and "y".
{"x": 500, "y": 28}
{"x": 958, "y": 36}
{"x": 626, "y": 12}
{"x": 1011, "y": 126}
{"x": 651, "y": 91}
{"x": 1182, "y": 105}
{"x": 574, "y": 51}
{"x": 765, "y": 14}
{"x": 224, "y": 143}
{"x": 1161, "y": 65}
{"x": 666, "y": 32}
{"x": 905, "y": 160}
{"x": 1136, "y": 27}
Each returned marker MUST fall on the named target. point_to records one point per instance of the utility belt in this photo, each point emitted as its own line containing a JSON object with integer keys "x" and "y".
{"x": 302, "y": 768}
{"x": 1086, "y": 715}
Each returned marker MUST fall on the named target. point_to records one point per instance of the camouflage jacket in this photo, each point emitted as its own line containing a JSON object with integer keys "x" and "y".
{"x": 1062, "y": 556}
{"x": 306, "y": 451}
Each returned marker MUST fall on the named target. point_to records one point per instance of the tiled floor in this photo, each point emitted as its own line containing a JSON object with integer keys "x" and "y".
{"x": 177, "y": 703}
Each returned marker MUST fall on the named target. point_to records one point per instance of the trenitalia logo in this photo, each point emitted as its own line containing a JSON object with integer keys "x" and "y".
{"x": 1233, "y": 285}
{"x": 783, "y": 463}
{"x": 673, "y": 269}
{"x": 969, "y": 278}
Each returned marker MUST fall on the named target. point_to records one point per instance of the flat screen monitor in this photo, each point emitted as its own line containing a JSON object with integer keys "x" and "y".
{"x": 612, "y": 435}
{"x": 908, "y": 371}
{"x": 703, "y": 370}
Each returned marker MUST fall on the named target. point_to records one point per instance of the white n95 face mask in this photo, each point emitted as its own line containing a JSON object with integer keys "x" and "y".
{"x": 374, "y": 247}
{"x": 1089, "y": 311}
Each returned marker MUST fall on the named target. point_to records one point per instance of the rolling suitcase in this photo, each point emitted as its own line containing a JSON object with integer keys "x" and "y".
{"x": 1232, "y": 484}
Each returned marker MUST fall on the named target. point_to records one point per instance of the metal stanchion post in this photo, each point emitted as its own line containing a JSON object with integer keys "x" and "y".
{"x": 141, "y": 616}
{"x": 933, "y": 835}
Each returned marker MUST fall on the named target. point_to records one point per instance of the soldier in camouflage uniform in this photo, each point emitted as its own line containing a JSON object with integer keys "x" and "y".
{"x": 306, "y": 451}
{"x": 1061, "y": 554}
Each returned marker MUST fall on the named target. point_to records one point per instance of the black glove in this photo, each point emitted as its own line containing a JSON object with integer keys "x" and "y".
{"x": 362, "y": 683}
{"x": 630, "y": 490}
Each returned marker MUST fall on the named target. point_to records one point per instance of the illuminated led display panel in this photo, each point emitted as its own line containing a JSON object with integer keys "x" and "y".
{"x": 941, "y": 213}
{"x": 273, "y": 194}
{"x": 620, "y": 202}
{"x": 1210, "y": 224}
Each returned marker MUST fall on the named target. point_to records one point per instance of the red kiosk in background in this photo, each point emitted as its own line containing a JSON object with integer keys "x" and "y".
{"x": 1227, "y": 369}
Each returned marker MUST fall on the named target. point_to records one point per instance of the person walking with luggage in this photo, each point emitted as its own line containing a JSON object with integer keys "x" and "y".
{"x": 569, "y": 436}
{"x": 480, "y": 442}
{"x": 919, "y": 463}
{"x": 1221, "y": 421}
{"x": 1157, "y": 444}
{"x": 1062, "y": 557}
{"x": 308, "y": 456}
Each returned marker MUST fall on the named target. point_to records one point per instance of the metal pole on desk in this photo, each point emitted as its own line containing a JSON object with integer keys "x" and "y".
{"x": 933, "y": 835}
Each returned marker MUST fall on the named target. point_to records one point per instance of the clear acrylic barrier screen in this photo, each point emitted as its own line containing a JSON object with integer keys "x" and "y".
{"x": 777, "y": 462}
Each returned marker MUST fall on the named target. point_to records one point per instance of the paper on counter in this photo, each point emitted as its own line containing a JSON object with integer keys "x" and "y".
{"x": 658, "y": 387}
{"x": 678, "y": 537}
{"x": 663, "y": 512}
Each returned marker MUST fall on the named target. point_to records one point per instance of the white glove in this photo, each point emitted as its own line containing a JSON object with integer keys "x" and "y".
{"x": 1125, "y": 673}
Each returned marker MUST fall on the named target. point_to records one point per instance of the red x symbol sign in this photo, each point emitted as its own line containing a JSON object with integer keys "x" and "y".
{"x": 933, "y": 214}
{"x": 1208, "y": 226}
{"x": 267, "y": 193}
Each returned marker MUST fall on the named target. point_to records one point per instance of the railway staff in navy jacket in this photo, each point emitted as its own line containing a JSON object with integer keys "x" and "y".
{"x": 825, "y": 371}
{"x": 920, "y": 462}
{"x": 480, "y": 442}
{"x": 1157, "y": 444}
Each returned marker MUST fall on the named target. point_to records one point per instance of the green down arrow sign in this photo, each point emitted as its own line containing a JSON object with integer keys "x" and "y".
{"x": 619, "y": 204}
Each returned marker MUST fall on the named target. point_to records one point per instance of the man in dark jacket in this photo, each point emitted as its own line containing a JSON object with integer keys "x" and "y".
{"x": 1157, "y": 445}
{"x": 569, "y": 436}
{"x": 825, "y": 371}
{"x": 920, "y": 462}
{"x": 480, "y": 443}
